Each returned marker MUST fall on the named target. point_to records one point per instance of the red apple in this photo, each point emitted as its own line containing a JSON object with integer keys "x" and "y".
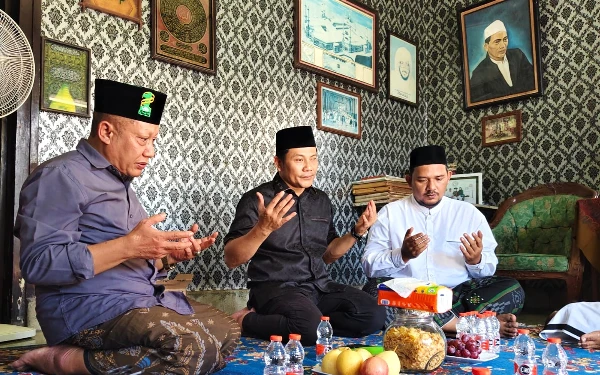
{"x": 374, "y": 366}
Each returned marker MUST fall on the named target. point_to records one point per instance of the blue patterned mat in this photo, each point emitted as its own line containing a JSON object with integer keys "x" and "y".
{"x": 247, "y": 358}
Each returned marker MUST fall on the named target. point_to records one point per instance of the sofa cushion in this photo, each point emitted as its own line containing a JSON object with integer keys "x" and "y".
{"x": 541, "y": 225}
{"x": 532, "y": 262}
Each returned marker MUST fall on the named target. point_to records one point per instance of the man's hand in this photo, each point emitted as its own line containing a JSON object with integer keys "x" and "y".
{"x": 271, "y": 217}
{"x": 471, "y": 247}
{"x": 368, "y": 218}
{"x": 195, "y": 246}
{"x": 413, "y": 246}
{"x": 147, "y": 242}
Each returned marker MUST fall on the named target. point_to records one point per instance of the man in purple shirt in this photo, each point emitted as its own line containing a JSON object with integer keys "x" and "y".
{"x": 92, "y": 253}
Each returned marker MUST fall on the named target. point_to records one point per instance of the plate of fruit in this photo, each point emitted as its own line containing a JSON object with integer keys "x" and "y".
{"x": 358, "y": 361}
{"x": 467, "y": 349}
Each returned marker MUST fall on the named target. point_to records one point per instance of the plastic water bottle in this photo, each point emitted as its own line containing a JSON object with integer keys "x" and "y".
{"x": 294, "y": 355}
{"x": 462, "y": 325}
{"x": 324, "y": 338}
{"x": 554, "y": 358}
{"x": 481, "y": 333}
{"x": 494, "y": 332}
{"x": 275, "y": 357}
{"x": 524, "y": 348}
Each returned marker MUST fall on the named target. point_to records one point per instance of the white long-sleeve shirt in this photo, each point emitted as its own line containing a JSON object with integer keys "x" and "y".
{"x": 442, "y": 262}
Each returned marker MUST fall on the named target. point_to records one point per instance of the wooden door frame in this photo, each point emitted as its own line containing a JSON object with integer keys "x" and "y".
{"x": 18, "y": 156}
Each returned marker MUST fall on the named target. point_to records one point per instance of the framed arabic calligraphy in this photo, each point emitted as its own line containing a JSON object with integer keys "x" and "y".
{"x": 183, "y": 33}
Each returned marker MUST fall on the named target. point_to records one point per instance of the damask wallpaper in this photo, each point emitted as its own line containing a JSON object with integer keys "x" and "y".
{"x": 217, "y": 137}
{"x": 218, "y": 134}
{"x": 560, "y": 129}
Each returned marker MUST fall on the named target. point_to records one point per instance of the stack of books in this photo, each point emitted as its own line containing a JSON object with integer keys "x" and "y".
{"x": 380, "y": 189}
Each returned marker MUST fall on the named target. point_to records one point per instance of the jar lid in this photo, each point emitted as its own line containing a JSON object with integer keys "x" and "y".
{"x": 295, "y": 336}
{"x": 554, "y": 340}
{"x": 276, "y": 338}
{"x": 481, "y": 371}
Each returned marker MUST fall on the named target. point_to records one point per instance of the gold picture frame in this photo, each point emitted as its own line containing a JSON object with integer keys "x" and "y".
{"x": 128, "y": 9}
{"x": 183, "y": 32}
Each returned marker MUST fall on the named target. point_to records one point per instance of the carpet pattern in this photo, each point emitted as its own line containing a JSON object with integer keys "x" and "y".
{"x": 247, "y": 359}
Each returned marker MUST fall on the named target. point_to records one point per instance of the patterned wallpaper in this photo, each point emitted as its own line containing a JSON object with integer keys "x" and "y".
{"x": 561, "y": 130}
{"x": 218, "y": 135}
{"x": 217, "y": 138}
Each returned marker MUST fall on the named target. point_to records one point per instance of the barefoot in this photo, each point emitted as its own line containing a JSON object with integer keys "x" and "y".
{"x": 238, "y": 316}
{"x": 508, "y": 325}
{"x": 590, "y": 340}
{"x": 60, "y": 359}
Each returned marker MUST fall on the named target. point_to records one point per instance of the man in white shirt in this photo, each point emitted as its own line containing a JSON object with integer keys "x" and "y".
{"x": 504, "y": 71}
{"x": 449, "y": 242}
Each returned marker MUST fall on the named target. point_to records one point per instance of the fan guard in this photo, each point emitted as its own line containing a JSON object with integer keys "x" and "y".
{"x": 17, "y": 67}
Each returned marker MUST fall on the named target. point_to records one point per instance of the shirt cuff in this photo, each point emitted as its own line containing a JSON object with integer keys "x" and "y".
{"x": 397, "y": 258}
{"x": 81, "y": 261}
{"x": 479, "y": 266}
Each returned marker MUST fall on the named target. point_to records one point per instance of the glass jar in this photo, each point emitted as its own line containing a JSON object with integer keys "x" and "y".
{"x": 417, "y": 340}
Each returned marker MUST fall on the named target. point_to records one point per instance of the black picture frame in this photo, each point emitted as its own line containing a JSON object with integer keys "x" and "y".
{"x": 515, "y": 39}
{"x": 65, "y": 78}
{"x": 402, "y": 69}
{"x": 337, "y": 39}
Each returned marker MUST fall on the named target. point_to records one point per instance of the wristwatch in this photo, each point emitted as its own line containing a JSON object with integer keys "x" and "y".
{"x": 357, "y": 236}
{"x": 166, "y": 265}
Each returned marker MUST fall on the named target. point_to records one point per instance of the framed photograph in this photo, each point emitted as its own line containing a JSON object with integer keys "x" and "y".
{"x": 338, "y": 111}
{"x": 500, "y": 51}
{"x": 466, "y": 187}
{"x": 65, "y": 78}
{"x": 337, "y": 39}
{"x": 183, "y": 33}
{"x": 402, "y": 70}
{"x": 128, "y": 9}
{"x": 500, "y": 129}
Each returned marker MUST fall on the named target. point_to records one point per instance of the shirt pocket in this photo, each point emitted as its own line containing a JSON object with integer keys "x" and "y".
{"x": 317, "y": 229}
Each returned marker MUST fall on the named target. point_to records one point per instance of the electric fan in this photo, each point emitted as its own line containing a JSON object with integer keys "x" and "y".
{"x": 16, "y": 66}
{"x": 16, "y": 80}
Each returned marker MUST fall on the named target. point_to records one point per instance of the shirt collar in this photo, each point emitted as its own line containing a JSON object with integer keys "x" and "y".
{"x": 504, "y": 61}
{"x": 280, "y": 185}
{"x": 428, "y": 211}
{"x": 98, "y": 161}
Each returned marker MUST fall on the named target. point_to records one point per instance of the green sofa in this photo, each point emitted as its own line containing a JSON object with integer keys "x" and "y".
{"x": 535, "y": 231}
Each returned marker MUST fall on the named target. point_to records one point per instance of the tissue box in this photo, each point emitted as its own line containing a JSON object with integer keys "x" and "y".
{"x": 431, "y": 297}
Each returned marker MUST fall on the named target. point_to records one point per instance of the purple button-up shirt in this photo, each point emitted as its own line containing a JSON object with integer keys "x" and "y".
{"x": 71, "y": 201}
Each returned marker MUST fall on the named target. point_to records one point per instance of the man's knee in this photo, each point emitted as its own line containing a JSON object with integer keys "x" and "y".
{"x": 306, "y": 327}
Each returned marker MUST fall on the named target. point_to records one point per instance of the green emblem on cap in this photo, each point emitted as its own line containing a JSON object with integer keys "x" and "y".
{"x": 145, "y": 109}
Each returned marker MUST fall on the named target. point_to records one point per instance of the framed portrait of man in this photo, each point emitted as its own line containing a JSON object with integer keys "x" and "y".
{"x": 500, "y": 50}
{"x": 402, "y": 69}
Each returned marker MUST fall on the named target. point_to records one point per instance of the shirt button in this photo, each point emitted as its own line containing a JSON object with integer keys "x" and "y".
{"x": 131, "y": 216}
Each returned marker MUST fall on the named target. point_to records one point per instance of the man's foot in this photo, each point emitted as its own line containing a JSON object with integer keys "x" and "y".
{"x": 590, "y": 340}
{"x": 508, "y": 325}
{"x": 60, "y": 359}
{"x": 238, "y": 316}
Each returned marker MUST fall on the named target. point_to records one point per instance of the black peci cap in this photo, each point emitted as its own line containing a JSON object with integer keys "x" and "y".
{"x": 426, "y": 155}
{"x": 300, "y": 136}
{"x": 133, "y": 102}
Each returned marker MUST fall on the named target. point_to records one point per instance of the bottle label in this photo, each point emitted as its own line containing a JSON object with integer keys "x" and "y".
{"x": 525, "y": 369}
{"x": 322, "y": 349}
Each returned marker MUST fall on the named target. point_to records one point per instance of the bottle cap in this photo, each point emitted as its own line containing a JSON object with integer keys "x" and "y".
{"x": 481, "y": 371}
{"x": 324, "y": 318}
{"x": 295, "y": 336}
{"x": 276, "y": 338}
{"x": 554, "y": 340}
{"x": 523, "y": 331}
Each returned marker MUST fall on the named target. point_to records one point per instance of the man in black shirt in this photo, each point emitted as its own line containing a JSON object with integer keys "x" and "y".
{"x": 285, "y": 229}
